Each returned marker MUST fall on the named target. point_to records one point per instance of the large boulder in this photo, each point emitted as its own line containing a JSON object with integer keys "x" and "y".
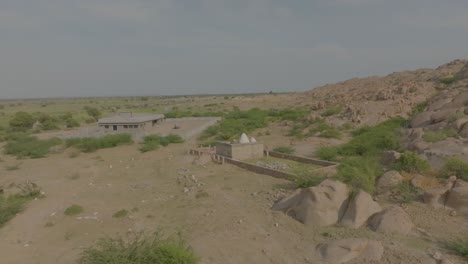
{"x": 442, "y": 115}
{"x": 344, "y": 250}
{"x": 421, "y": 120}
{"x": 322, "y": 205}
{"x": 388, "y": 180}
{"x": 360, "y": 208}
{"x": 435, "y": 197}
{"x": 391, "y": 220}
{"x": 458, "y": 199}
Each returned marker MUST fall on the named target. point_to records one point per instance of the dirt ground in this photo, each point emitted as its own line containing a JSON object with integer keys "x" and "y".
{"x": 222, "y": 211}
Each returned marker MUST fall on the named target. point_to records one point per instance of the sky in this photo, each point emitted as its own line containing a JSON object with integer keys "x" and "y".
{"x": 67, "y": 48}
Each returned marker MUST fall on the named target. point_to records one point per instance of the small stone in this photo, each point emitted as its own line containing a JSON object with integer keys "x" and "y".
{"x": 186, "y": 190}
{"x": 453, "y": 213}
{"x": 437, "y": 255}
{"x": 276, "y": 224}
{"x": 240, "y": 221}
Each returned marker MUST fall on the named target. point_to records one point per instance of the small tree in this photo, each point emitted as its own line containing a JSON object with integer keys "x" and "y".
{"x": 93, "y": 112}
{"x": 22, "y": 121}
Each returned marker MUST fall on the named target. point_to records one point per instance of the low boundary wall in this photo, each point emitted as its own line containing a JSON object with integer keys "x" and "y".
{"x": 260, "y": 170}
{"x": 327, "y": 167}
{"x": 322, "y": 163}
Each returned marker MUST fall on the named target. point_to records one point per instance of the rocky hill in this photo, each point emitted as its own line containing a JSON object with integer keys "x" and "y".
{"x": 374, "y": 99}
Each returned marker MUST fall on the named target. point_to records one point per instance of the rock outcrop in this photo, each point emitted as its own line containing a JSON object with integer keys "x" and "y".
{"x": 388, "y": 181}
{"x": 344, "y": 250}
{"x": 457, "y": 199}
{"x": 391, "y": 220}
{"x": 360, "y": 208}
{"x": 322, "y": 205}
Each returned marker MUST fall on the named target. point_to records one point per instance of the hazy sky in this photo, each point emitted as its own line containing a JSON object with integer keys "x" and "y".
{"x": 145, "y": 47}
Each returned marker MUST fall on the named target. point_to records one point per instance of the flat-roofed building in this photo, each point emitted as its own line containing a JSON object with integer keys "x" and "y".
{"x": 129, "y": 122}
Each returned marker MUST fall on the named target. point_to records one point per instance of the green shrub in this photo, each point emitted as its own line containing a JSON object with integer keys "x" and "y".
{"x": 459, "y": 246}
{"x": 334, "y": 110}
{"x": 237, "y": 121}
{"x": 71, "y": 122}
{"x": 370, "y": 141}
{"x": 405, "y": 193}
{"x": 22, "y": 121}
{"x": 436, "y": 136}
{"x": 73, "y": 210}
{"x": 448, "y": 79}
{"x": 14, "y": 204}
{"x": 327, "y": 153}
{"x": 152, "y": 142}
{"x": 284, "y": 149}
{"x": 420, "y": 108}
{"x": 457, "y": 167}
{"x": 11, "y": 206}
{"x": 120, "y": 213}
{"x": 307, "y": 179}
{"x": 93, "y": 144}
{"x": 360, "y": 172}
{"x": 330, "y": 133}
{"x": 29, "y": 147}
{"x": 93, "y": 112}
{"x": 455, "y": 117}
{"x": 411, "y": 162}
{"x": 139, "y": 250}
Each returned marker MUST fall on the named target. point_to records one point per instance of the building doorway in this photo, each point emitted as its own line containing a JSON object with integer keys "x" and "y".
{"x": 114, "y": 128}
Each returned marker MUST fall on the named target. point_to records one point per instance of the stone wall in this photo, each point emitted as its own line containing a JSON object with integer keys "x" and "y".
{"x": 322, "y": 163}
{"x": 260, "y": 170}
{"x": 240, "y": 151}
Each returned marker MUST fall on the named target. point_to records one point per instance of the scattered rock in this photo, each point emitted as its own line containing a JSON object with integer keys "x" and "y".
{"x": 388, "y": 180}
{"x": 391, "y": 220}
{"x": 344, "y": 250}
{"x": 458, "y": 199}
{"x": 359, "y": 210}
{"x": 435, "y": 197}
{"x": 389, "y": 157}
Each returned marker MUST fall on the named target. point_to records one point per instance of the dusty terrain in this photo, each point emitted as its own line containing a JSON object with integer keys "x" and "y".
{"x": 222, "y": 211}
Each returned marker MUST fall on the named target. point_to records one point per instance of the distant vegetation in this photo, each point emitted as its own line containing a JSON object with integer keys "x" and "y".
{"x": 448, "y": 79}
{"x": 93, "y": 144}
{"x": 21, "y": 121}
{"x": 93, "y": 112}
{"x": 311, "y": 127}
{"x": 331, "y": 111}
{"x": 24, "y": 146}
{"x": 238, "y": 121}
{"x": 139, "y": 250}
{"x": 153, "y": 142}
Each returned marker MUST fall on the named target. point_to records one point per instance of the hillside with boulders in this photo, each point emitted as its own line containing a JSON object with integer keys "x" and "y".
{"x": 374, "y": 99}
